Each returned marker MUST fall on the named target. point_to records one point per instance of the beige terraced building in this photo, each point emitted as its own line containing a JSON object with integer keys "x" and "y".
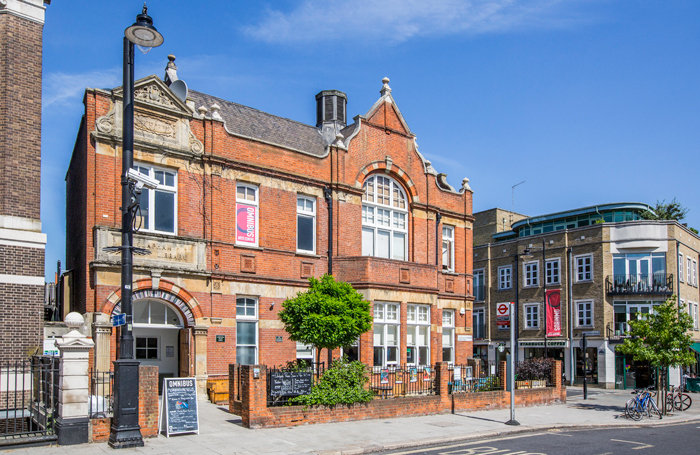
{"x": 604, "y": 264}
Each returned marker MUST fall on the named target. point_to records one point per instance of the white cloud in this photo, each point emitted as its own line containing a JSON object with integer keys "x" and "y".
{"x": 61, "y": 89}
{"x": 399, "y": 20}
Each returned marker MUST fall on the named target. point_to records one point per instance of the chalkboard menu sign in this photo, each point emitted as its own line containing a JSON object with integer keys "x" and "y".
{"x": 290, "y": 383}
{"x": 180, "y": 406}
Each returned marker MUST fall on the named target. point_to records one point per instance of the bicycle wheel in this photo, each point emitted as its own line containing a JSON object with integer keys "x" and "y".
{"x": 652, "y": 408}
{"x": 684, "y": 401}
{"x": 670, "y": 402}
{"x": 632, "y": 410}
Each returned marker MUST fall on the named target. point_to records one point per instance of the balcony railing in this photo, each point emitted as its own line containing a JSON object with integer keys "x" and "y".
{"x": 657, "y": 283}
{"x": 616, "y": 332}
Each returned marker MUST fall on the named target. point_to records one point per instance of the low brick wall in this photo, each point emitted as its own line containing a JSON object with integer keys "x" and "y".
{"x": 148, "y": 408}
{"x": 254, "y": 412}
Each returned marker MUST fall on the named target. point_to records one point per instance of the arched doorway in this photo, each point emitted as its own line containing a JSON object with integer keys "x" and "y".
{"x": 159, "y": 332}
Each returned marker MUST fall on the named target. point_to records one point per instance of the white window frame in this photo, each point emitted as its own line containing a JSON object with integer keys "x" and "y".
{"x": 382, "y": 321}
{"x": 531, "y": 273}
{"x": 151, "y": 172}
{"x": 695, "y": 273}
{"x": 448, "y": 332}
{"x": 482, "y": 273}
{"x": 581, "y": 268}
{"x": 549, "y": 271}
{"x": 580, "y": 305}
{"x": 448, "y": 247}
{"x": 372, "y": 223}
{"x": 255, "y": 203}
{"x": 680, "y": 267}
{"x": 247, "y": 318}
{"x": 527, "y": 316}
{"x": 307, "y": 352}
{"x": 689, "y": 271}
{"x": 505, "y": 277}
{"x": 696, "y": 317}
{"x": 305, "y": 213}
{"x": 417, "y": 320}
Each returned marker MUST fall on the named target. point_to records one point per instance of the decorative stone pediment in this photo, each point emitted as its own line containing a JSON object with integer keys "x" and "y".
{"x": 160, "y": 118}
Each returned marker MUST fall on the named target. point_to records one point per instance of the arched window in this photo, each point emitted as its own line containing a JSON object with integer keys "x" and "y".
{"x": 384, "y": 219}
{"x": 154, "y": 312}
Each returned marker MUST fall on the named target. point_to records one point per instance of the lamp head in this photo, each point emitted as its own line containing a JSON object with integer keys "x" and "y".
{"x": 143, "y": 33}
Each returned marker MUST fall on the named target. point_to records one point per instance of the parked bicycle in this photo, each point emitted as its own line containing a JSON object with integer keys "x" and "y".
{"x": 642, "y": 403}
{"x": 677, "y": 399}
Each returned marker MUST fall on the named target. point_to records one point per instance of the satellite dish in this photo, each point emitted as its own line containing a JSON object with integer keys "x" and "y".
{"x": 179, "y": 88}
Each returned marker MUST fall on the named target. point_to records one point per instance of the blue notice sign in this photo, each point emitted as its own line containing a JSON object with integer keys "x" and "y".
{"x": 118, "y": 319}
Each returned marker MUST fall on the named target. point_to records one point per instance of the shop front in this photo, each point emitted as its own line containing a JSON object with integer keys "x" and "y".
{"x": 556, "y": 349}
{"x": 632, "y": 374}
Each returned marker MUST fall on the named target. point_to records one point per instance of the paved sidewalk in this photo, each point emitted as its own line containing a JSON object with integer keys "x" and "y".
{"x": 221, "y": 432}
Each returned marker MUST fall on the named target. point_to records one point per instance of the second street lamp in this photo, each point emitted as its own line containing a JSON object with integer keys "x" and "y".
{"x": 125, "y": 431}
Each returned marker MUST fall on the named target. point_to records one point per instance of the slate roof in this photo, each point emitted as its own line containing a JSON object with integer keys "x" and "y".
{"x": 256, "y": 124}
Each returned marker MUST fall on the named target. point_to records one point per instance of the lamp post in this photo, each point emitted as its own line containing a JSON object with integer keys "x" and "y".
{"x": 125, "y": 431}
{"x": 512, "y": 358}
{"x": 544, "y": 289}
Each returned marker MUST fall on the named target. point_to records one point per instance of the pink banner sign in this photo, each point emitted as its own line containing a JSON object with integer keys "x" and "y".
{"x": 246, "y": 224}
{"x": 553, "y": 313}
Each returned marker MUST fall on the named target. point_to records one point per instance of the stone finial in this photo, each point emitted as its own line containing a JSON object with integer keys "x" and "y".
{"x": 339, "y": 140}
{"x": 74, "y": 321}
{"x": 385, "y": 88}
{"x": 170, "y": 71}
{"x": 465, "y": 184}
{"x": 202, "y": 111}
{"x": 215, "y": 108}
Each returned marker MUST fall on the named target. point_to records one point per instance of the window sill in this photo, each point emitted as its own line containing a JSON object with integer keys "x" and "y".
{"x": 531, "y": 328}
{"x": 449, "y": 272}
{"x": 583, "y": 282}
{"x": 533, "y": 286}
{"x": 249, "y": 247}
{"x": 308, "y": 255}
{"x": 505, "y": 289}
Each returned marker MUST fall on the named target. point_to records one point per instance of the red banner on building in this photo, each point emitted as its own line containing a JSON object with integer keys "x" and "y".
{"x": 553, "y": 313}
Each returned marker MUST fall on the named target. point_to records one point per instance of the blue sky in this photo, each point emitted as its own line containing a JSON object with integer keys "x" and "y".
{"x": 587, "y": 101}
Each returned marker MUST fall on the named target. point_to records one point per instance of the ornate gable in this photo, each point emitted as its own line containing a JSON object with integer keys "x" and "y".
{"x": 160, "y": 118}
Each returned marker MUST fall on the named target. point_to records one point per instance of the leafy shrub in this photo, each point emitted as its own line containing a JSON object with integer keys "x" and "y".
{"x": 534, "y": 370}
{"x": 342, "y": 383}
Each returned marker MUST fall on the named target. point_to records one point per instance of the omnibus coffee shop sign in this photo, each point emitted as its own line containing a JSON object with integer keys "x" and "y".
{"x": 290, "y": 383}
{"x": 179, "y": 409}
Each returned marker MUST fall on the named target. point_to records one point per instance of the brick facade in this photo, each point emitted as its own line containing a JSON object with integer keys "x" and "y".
{"x": 199, "y": 142}
{"x": 254, "y": 412}
{"x": 22, "y": 250}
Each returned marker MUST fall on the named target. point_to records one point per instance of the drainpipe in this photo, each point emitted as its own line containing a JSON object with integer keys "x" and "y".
{"x": 329, "y": 200}
{"x": 438, "y": 218}
{"x": 572, "y": 374}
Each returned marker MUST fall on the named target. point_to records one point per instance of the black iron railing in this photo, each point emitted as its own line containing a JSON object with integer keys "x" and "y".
{"x": 616, "y": 332}
{"x": 473, "y": 378}
{"x": 101, "y": 398}
{"x": 299, "y": 372}
{"x": 28, "y": 400}
{"x": 657, "y": 284}
{"x": 402, "y": 380}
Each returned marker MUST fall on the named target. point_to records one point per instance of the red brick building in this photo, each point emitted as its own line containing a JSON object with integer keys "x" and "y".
{"x": 248, "y": 207}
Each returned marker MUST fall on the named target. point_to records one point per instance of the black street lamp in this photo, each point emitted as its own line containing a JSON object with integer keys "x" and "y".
{"x": 125, "y": 431}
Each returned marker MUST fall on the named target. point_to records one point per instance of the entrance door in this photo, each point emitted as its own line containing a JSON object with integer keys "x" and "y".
{"x": 184, "y": 370}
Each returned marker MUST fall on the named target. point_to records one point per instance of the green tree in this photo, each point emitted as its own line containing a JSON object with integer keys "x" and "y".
{"x": 661, "y": 338}
{"x": 330, "y": 314}
{"x": 666, "y": 211}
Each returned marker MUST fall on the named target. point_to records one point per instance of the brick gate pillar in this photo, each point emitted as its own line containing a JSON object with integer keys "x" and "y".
{"x": 73, "y": 392}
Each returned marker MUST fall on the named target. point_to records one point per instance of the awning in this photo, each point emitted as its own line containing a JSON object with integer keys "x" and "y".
{"x": 695, "y": 347}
